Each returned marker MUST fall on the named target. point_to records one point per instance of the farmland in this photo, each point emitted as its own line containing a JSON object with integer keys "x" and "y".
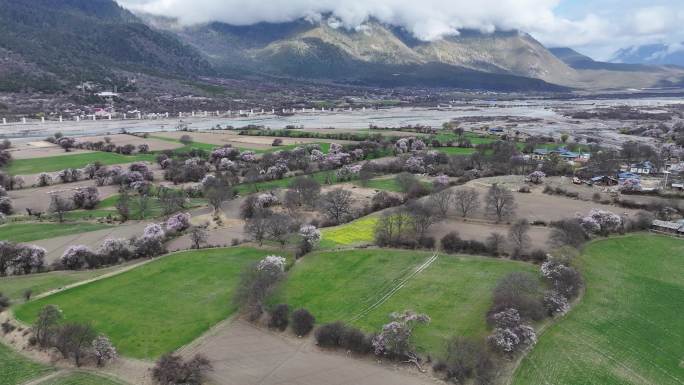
{"x": 61, "y": 162}
{"x": 28, "y": 232}
{"x": 360, "y": 231}
{"x": 627, "y": 328}
{"x": 80, "y": 378}
{"x": 15, "y": 286}
{"x": 160, "y": 306}
{"x": 15, "y": 369}
{"x": 453, "y": 291}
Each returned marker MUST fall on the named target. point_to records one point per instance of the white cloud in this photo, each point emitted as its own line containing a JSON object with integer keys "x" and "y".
{"x": 600, "y": 28}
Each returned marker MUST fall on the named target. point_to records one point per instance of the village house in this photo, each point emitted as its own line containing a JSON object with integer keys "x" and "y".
{"x": 643, "y": 168}
{"x": 669, "y": 227}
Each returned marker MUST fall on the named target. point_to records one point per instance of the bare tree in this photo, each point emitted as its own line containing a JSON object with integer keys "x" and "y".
{"x": 171, "y": 200}
{"x": 74, "y": 339}
{"x": 143, "y": 204}
{"x": 442, "y": 201}
{"x": 519, "y": 238}
{"x": 500, "y": 203}
{"x": 495, "y": 243}
{"x": 257, "y": 226}
{"x": 307, "y": 190}
{"x": 337, "y": 205}
{"x": 46, "y": 323}
{"x": 279, "y": 227}
{"x": 123, "y": 204}
{"x": 217, "y": 192}
{"x": 466, "y": 200}
{"x": 423, "y": 216}
{"x": 59, "y": 206}
{"x": 198, "y": 236}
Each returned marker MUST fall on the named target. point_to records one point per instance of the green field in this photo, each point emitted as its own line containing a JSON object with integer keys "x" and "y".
{"x": 80, "y": 378}
{"x": 14, "y": 286}
{"x": 15, "y": 369}
{"x": 60, "y": 162}
{"x": 30, "y": 231}
{"x": 455, "y": 150}
{"x": 107, "y": 207}
{"x": 160, "y": 306}
{"x": 360, "y": 231}
{"x": 628, "y": 328}
{"x": 343, "y": 285}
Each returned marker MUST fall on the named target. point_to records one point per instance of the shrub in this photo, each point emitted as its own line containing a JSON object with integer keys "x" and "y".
{"x": 467, "y": 358}
{"x": 329, "y": 335}
{"x": 280, "y": 317}
{"x": 4, "y": 302}
{"x": 427, "y": 242}
{"x": 114, "y": 250}
{"x": 302, "y": 322}
{"x": 77, "y": 257}
{"x": 170, "y": 369}
{"x": 355, "y": 340}
{"x": 86, "y": 198}
{"x": 451, "y": 243}
{"x": 521, "y": 291}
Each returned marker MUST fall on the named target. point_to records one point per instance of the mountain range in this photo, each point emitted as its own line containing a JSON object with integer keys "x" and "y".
{"x": 50, "y": 45}
{"x": 655, "y": 54}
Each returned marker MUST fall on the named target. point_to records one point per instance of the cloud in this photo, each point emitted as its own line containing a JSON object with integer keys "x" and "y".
{"x": 599, "y": 26}
{"x": 426, "y": 19}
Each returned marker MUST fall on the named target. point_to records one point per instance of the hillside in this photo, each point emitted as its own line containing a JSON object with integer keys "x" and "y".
{"x": 47, "y": 45}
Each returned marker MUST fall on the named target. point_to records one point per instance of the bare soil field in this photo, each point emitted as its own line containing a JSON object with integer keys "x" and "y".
{"x": 123, "y": 139}
{"x": 479, "y": 231}
{"x": 221, "y": 138}
{"x": 246, "y": 355}
{"x": 537, "y": 206}
{"x": 56, "y": 246}
{"x": 39, "y": 149}
{"x": 38, "y": 198}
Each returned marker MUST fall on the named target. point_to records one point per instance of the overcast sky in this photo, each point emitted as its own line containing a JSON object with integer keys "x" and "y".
{"x": 594, "y": 27}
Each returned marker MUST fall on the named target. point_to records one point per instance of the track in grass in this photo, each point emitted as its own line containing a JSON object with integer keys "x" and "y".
{"x": 160, "y": 306}
{"x": 80, "y": 378}
{"x": 629, "y": 326}
{"x": 454, "y": 291}
{"x": 15, "y": 369}
{"x": 15, "y": 286}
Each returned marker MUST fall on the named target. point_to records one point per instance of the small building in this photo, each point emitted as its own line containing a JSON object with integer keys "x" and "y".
{"x": 603, "y": 180}
{"x": 628, "y": 175}
{"x": 669, "y": 227}
{"x": 643, "y": 168}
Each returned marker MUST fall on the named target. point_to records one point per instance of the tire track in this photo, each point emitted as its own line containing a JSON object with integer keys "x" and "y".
{"x": 396, "y": 288}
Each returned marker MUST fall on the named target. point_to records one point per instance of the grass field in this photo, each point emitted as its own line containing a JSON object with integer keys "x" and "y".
{"x": 58, "y": 163}
{"x": 455, "y": 150}
{"x": 80, "y": 378}
{"x": 107, "y": 207}
{"x": 158, "y": 307}
{"x": 15, "y": 369}
{"x": 343, "y": 285}
{"x": 30, "y": 231}
{"x": 14, "y": 286}
{"x": 628, "y": 328}
{"x": 360, "y": 231}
